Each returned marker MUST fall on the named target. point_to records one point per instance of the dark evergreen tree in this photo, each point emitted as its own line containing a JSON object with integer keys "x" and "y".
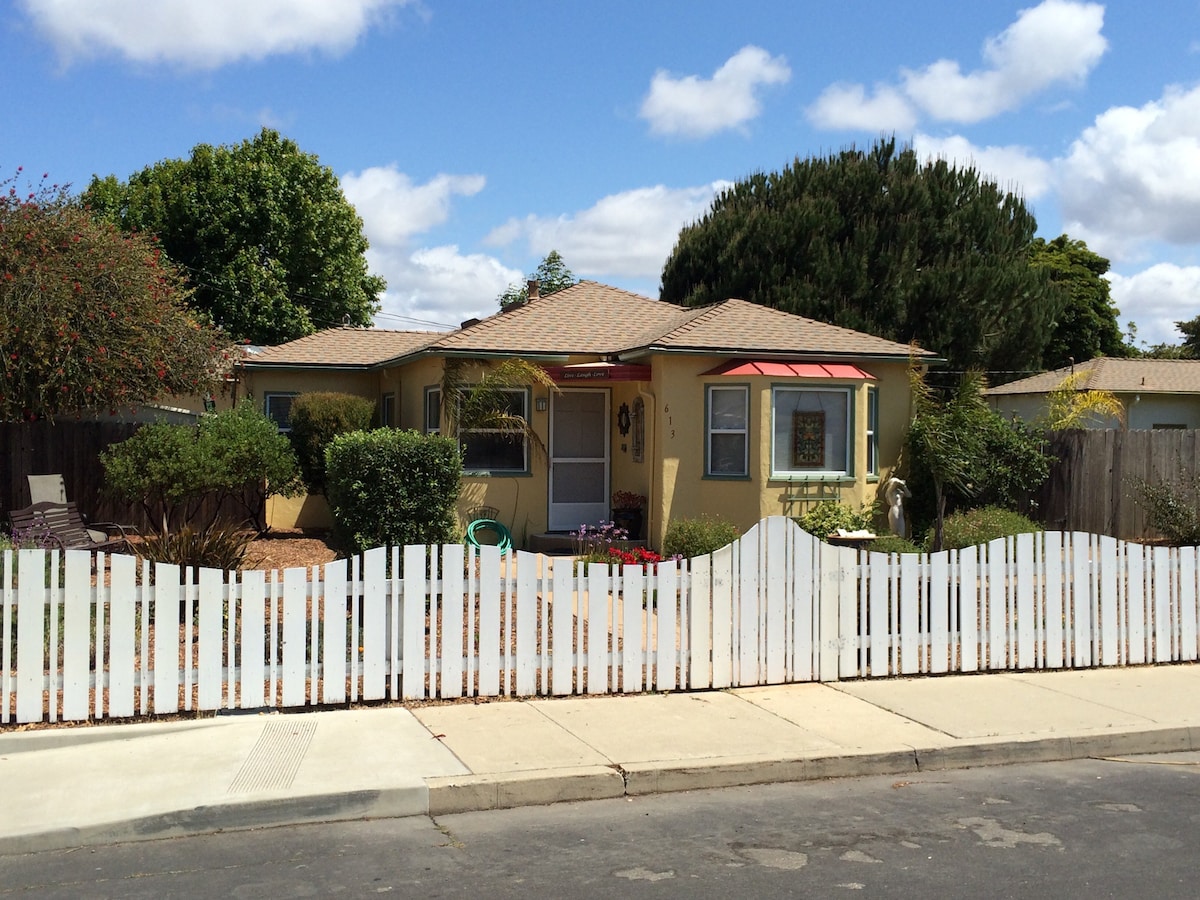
{"x": 874, "y": 240}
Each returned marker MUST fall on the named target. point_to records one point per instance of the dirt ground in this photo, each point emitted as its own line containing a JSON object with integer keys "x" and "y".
{"x": 283, "y": 549}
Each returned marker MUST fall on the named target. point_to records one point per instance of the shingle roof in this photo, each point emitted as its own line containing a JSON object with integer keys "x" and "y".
{"x": 736, "y": 326}
{"x": 1120, "y": 376}
{"x": 343, "y": 348}
{"x": 587, "y": 317}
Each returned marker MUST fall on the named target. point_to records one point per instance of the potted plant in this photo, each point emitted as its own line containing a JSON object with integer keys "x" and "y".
{"x": 627, "y": 510}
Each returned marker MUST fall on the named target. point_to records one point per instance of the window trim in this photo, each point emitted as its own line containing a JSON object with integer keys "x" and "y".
{"x": 284, "y": 426}
{"x": 709, "y": 431}
{"x": 425, "y": 426}
{"x": 847, "y": 393}
{"x": 872, "y": 431}
{"x": 387, "y": 410}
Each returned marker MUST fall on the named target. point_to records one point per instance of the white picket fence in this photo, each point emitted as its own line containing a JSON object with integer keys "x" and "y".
{"x": 776, "y": 606}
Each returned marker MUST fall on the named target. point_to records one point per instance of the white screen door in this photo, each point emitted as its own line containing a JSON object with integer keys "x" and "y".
{"x": 578, "y": 459}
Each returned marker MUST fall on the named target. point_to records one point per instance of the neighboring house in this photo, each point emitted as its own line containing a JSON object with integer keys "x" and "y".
{"x": 735, "y": 409}
{"x": 1156, "y": 393}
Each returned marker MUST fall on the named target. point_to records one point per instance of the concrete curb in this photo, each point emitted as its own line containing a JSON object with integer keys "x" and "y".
{"x": 389, "y": 803}
{"x": 446, "y": 795}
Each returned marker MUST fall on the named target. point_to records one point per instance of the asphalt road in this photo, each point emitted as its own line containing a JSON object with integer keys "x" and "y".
{"x": 1088, "y": 828}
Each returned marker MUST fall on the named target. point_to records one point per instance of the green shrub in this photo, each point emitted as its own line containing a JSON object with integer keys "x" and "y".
{"x": 978, "y": 526}
{"x": 172, "y": 470}
{"x": 316, "y": 419}
{"x": 1171, "y": 508}
{"x": 697, "y": 536}
{"x": 893, "y": 543}
{"x": 389, "y": 487}
{"x": 828, "y": 516}
{"x": 216, "y": 547}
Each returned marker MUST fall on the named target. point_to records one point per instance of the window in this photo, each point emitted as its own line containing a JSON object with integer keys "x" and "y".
{"x": 726, "y": 432}
{"x": 432, "y": 421}
{"x": 872, "y": 430}
{"x": 387, "y": 411}
{"x": 810, "y": 432}
{"x": 498, "y": 450}
{"x": 278, "y": 407}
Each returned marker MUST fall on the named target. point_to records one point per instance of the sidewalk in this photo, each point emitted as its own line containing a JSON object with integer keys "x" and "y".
{"x": 71, "y": 787}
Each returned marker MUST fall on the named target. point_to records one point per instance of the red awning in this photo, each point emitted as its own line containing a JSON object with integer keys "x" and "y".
{"x": 790, "y": 370}
{"x": 598, "y": 371}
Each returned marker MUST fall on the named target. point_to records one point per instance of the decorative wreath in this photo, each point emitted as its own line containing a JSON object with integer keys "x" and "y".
{"x": 623, "y": 419}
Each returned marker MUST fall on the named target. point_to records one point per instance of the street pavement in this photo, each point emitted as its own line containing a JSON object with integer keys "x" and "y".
{"x": 75, "y": 786}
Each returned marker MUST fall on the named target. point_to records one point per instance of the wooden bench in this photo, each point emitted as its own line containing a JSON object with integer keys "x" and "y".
{"x": 60, "y": 525}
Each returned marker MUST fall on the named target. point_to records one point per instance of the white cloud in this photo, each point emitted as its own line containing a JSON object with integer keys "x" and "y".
{"x": 847, "y": 106}
{"x": 394, "y": 209}
{"x": 1134, "y": 176}
{"x": 439, "y": 285}
{"x": 202, "y": 33}
{"x": 696, "y": 107}
{"x": 1013, "y": 168}
{"x": 1058, "y": 41}
{"x": 628, "y": 234}
{"x": 433, "y": 285}
{"x": 1156, "y": 298}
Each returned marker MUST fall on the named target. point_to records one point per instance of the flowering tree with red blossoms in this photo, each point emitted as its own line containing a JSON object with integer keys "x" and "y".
{"x": 91, "y": 318}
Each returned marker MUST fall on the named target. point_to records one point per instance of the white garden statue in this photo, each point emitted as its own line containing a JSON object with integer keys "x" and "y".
{"x": 894, "y": 492}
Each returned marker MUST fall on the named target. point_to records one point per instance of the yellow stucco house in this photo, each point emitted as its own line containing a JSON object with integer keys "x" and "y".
{"x": 734, "y": 409}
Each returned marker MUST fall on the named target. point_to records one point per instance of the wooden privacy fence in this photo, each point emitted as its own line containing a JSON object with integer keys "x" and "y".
{"x": 774, "y": 607}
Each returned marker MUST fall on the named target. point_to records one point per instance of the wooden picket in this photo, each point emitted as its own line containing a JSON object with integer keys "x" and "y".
{"x": 412, "y": 623}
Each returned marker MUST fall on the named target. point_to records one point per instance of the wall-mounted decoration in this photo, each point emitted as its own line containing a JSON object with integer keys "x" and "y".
{"x": 623, "y": 423}
{"x": 808, "y": 440}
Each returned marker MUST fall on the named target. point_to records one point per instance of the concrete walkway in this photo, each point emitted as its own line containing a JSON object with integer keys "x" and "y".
{"x": 68, "y": 787}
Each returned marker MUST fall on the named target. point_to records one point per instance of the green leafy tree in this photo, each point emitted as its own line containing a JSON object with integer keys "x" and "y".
{"x": 552, "y": 275}
{"x": 1189, "y": 349}
{"x": 967, "y": 452}
{"x": 273, "y": 248}
{"x": 176, "y": 471}
{"x": 875, "y": 241}
{"x": 90, "y": 318}
{"x": 1086, "y": 326}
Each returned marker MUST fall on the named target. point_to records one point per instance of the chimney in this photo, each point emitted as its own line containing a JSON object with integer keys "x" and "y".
{"x": 532, "y": 288}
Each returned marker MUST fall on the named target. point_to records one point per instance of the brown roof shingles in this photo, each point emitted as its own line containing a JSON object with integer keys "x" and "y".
{"x": 589, "y": 318}
{"x": 1120, "y": 376}
{"x": 344, "y": 348}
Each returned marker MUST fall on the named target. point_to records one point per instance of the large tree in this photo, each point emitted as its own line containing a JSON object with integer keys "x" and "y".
{"x": 91, "y": 318}
{"x": 1087, "y": 325}
{"x": 266, "y": 236}
{"x": 876, "y": 241}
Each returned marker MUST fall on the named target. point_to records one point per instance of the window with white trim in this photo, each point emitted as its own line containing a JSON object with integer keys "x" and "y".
{"x": 278, "y": 408}
{"x": 432, "y": 421}
{"x": 810, "y": 431}
{"x": 726, "y": 431}
{"x": 872, "y": 430}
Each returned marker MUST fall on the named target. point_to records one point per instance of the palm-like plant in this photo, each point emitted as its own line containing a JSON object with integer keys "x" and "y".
{"x": 1067, "y": 406}
{"x": 483, "y": 402}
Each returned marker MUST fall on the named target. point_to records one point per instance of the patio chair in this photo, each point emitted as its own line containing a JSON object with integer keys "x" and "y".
{"x": 53, "y": 489}
{"x": 60, "y": 525}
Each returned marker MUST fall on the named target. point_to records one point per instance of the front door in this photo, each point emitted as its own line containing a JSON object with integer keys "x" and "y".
{"x": 578, "y": 459}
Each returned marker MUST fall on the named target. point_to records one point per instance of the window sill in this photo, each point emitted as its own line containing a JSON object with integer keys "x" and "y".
{"x": 830, "y": 478}
{"x": 486, "y": 473}
{"x": 715, "y": 477}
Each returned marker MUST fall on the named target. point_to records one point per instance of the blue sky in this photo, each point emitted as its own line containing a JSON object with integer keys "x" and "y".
{"x": 474, "y": 136}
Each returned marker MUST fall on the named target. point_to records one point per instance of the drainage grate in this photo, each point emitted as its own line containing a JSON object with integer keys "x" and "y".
{"x": 276, "y": 757}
